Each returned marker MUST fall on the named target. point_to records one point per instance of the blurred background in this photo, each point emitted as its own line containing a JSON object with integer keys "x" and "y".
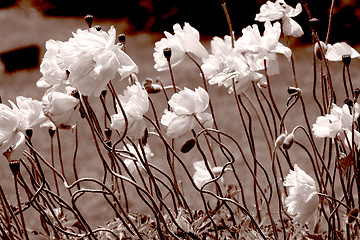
{"x": 19, "y": 17}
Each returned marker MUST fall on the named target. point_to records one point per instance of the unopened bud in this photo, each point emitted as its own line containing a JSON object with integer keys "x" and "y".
{"x": 346, "y": 59}
{"x": 280, "y": 140}
{"x": 167, "y": 53}
{"x": 97, "y": 27}
{"x": 319, "y": 50}
{"x": 103, "y": 93}
{"x": 288, "y": 142}
{"x": 348, "y": 102}
{"x": 293, "y": 90}
{"x": 108, "y": 133}
{"x": 89, "y": 20}
{"x": 188, "y": 145}
{"x": 353, "y": 215}
{"x": 145, "y": 137}
{"x": 357, "y": 93}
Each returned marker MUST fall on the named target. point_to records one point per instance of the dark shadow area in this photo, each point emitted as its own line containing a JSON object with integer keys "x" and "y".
{"x": 7, "y": 3}
{"x": 207, "y": 16}
{"x": 21, "y": 58}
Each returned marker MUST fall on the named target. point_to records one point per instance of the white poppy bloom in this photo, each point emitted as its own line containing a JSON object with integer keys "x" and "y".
{"x": 61, "y": 109}
{"x": 93, "y": 59}
{"x": 202, "y": 175}
{"x": 12, "y": 128}
{"x": 303, "y": 197}
{"x": 185, "y": 40}
{"x": 52, "y": 67}
{"x": 227, "y": 63}
{"x": 135, "y": 103}
{"x": 271, "y": 11}
{"x": 185, "y": 105}
{"x": 336, "y": 51}
{"x": 333, "y": 123}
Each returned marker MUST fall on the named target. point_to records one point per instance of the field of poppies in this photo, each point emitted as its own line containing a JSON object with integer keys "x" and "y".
{"x": 252, "y": 135}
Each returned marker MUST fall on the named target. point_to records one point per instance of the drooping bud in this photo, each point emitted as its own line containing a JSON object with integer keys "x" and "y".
{"x": 280, "y": 140}
{"x": 89, "y": 20}
{"x": 319, "y": 50}
{"x": 167, "y": 53}
{"x": 353, "y": 214}
{"x": 145, "y": 137}
{"x": 346, "y": 59}
{"x": 108, "y": 133}
{"x": 288, "y": 142}
{"x": 357, "y": 93}
{"x": 188, "y": 145}
{"x": 293, "y": 90}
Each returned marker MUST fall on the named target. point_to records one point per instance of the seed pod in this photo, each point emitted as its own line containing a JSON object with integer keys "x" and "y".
{"x": 167, "y": 53}
{"x": 314, "y": 23}
{"x": 346, "y": 59}
{"x": 122, "y": 38}
{"x": 89, "y": 20}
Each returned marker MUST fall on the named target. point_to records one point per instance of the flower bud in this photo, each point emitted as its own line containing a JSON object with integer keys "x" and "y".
{"x": 352, "y": 215}
{"x": 97, "y": 27}
{"x": 108, "y": 133}
{"x": 167, "y": 53}
{"x": 89, "y": 20}
{"x": 293, "y": 90}
{"x": 288, "y": 142}
{"x": 317, "y": 50}
{"x": 280, "y": 140}
{"x": 103, "y": 93}
{"x": 357, "y": 93}
{"x": 188, "y": 145}
{"x": 349, "y": 102}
